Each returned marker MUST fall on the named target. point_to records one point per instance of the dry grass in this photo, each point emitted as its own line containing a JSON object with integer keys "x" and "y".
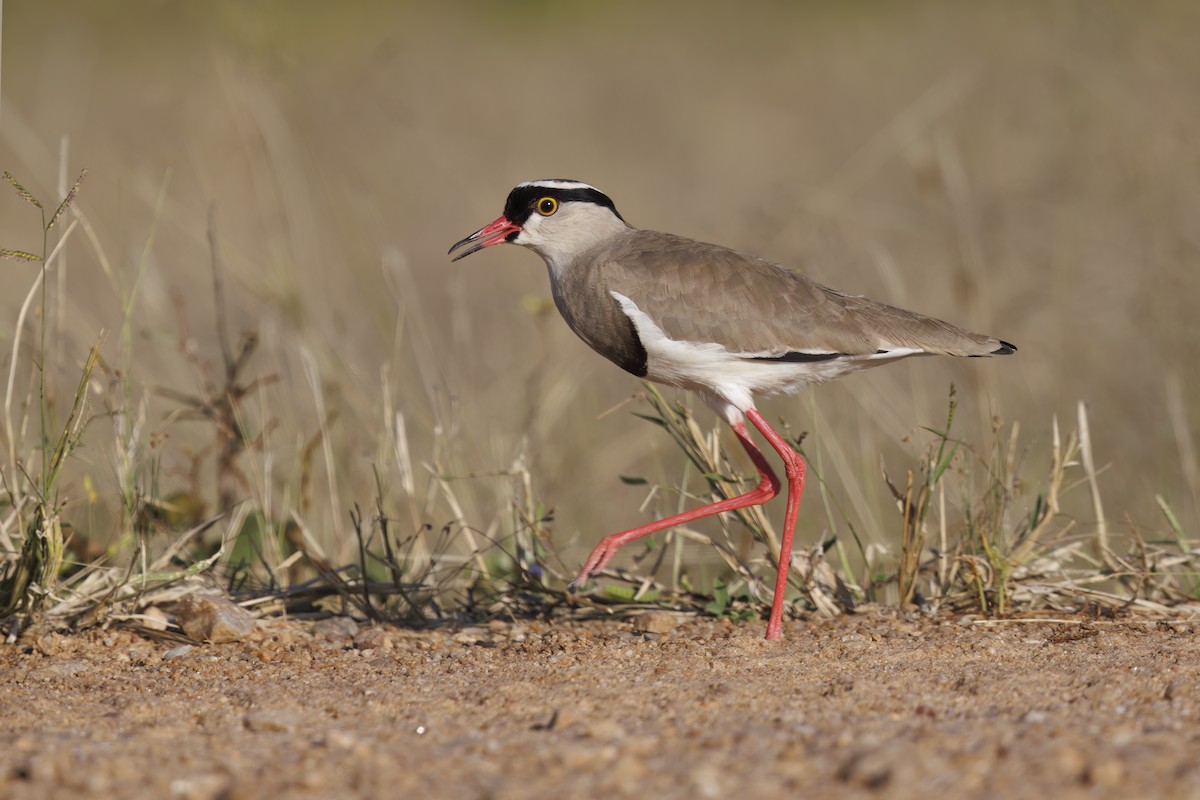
{"x": 1023, "y": 169}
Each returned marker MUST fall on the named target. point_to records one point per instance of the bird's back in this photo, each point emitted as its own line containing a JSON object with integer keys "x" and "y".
{"x": 704, "y": 293}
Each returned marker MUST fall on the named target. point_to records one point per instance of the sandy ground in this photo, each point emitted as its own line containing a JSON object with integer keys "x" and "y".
{"x": 877, "y": 703}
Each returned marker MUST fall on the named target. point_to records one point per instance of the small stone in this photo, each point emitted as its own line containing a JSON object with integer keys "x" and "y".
{"x": 868, "y": 769}
{"x": 200, "y": 787}
{"x": 470, "y": 636}
{"x": 373, "y": 639}
{"x": 177, "y": 652}
{"x": 49, "y": 644}
{"x": 655, "y": 622}
{"x": 341, "y": 630}
{"x": 1034, "y": 717}
{"x": 154, "y": 618}
{"x": 59, "y": 669}
{"x": 214, "y": 619}
{"x": 340, "y": 740}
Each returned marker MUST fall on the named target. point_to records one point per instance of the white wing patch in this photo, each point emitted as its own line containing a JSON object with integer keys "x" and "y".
{"x": 736, "y": 378}
{"x": 887, "y": 353}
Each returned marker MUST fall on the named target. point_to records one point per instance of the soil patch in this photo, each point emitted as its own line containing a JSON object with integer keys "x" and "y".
{"x": 878, "y": 703}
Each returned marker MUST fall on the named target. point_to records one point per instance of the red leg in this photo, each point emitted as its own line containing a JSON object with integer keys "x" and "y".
{"x": 767, "y": 488}
{"x": 794, "y": 467}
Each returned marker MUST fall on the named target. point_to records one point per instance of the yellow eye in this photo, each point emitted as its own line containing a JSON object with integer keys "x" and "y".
{"x": 547, "y": 206}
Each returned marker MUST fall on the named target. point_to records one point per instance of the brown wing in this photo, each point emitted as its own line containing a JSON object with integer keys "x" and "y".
{"x": 705, "y": 293}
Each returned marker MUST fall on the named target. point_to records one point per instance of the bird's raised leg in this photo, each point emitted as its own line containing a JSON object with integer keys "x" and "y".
{"x": 768, "y": 487}
{"x": 794, "y": 468}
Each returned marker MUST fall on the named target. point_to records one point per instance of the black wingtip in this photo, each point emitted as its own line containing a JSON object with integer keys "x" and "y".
{"x": 1005, "y": 349}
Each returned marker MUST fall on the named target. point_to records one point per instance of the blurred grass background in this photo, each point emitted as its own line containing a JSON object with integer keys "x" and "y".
{"x": 1025, "y": 169}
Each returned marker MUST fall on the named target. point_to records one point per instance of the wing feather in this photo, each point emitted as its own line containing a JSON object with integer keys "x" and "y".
{"x": 700, "y": 292}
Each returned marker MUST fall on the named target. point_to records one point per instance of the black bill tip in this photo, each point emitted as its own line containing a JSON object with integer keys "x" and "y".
{"x": 464, "y": 253}
{"x": 463, "y": 241}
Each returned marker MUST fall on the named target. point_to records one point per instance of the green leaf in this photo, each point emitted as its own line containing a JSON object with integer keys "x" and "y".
{"x": 656, "y": 420}
{"x": 1167, "y": 512}
{"x": 721, "y": 593}
{"x": 625, "y": 593}
{"x": 944, "y": 463}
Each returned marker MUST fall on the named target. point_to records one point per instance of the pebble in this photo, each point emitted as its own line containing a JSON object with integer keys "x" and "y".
{"x": 470, "y": 636}
{"x": 655, "y": 622}
{"x": 59, "y": 669}
{"x": 201, "y": 787}
{"x": 50, "y": 644}
{"x": 177, "y": 652}
{"x": 373, "y": 639}
{"x": 870, "y": 769}
{"x": 154, "y": 618}
{"x": 214, "y": 619}
{"x": 341, "y": 630}
{"x": 340, "y": 740}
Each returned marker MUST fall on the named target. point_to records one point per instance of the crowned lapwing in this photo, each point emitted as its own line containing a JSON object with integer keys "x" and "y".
{"x": 727, "y": 325}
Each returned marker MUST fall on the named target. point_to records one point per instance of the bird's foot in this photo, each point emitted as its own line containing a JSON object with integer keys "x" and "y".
{"x": 596, "y": 561}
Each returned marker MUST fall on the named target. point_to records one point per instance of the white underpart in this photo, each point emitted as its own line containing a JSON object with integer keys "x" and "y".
{"x": 728, "y": 381}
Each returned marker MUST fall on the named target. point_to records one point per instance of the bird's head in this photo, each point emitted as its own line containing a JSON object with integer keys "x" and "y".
{"x": 557, "y": 219}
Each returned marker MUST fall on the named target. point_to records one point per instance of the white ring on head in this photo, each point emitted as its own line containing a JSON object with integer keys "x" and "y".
{"x": 545, "y": 184}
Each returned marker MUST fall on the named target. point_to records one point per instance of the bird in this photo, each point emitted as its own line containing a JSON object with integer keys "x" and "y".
{"x": 726, "y": 325}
